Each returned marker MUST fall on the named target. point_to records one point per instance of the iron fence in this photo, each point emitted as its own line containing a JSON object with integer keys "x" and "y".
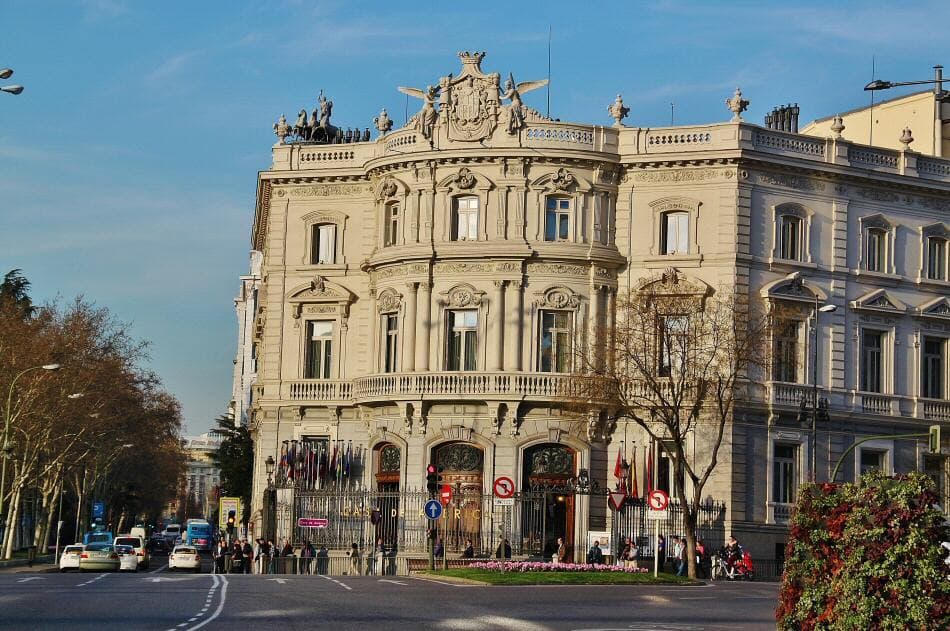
{"x": 632, "y": 522}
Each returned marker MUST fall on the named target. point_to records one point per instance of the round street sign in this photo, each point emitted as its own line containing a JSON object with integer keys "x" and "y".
{"x": 504, "y": 486}
{"x": 433, "y": 509}
{"x": 658, "y": 500}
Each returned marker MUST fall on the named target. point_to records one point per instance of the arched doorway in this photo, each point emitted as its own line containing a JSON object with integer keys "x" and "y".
{"x": 462, "y": 465}
{"x": 546, "y": 470}
{"x": 388, "y": 459}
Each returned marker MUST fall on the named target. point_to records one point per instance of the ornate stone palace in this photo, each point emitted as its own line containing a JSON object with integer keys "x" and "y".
{"x": 419, "y": 294}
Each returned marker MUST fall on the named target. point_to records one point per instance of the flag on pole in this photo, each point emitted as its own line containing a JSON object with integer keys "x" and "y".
{"x": 617, "y": 467}
{"x": 648, "y": 484}
{"x": 348, "y": 459}
{"x": 634, "y": 488}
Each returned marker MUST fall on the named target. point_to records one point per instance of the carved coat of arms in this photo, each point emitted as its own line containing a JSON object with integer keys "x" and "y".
{"x": 471, "y": 99}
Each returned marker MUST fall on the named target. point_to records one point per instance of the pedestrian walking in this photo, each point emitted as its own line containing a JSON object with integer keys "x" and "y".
{"x": 439, "y": 550}
{"x": 469, "y": 551}
{"x": 307, "y": 554}
{"x": 237, "y": 557}
{"x": 323, "y": 560}
{"x": 220, "y": 556}
{"x": 354, "y": 556}
{"x": 248, "y": 551}
{"x": 701, "y": 557}
{"x": 681, "y": 555}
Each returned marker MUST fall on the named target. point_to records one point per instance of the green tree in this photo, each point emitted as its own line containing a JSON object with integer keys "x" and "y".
{"x": 235, "y": 460}
{"x": 16, "y": 288}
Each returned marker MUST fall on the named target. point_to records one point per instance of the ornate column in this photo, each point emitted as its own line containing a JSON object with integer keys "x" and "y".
{"x": 512, "y": 358}
{"x": 409, "y": 345}
{"x": 424, "y": 313}
{"x": 611, "y": 324}
{"x": 596, "y": 330}
{"x": 496, "y": 322}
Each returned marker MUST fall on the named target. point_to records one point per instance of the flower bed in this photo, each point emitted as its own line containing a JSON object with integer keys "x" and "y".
{"x": 537, "y": 566}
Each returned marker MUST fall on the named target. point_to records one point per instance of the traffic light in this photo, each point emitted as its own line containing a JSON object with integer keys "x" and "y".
{"x": 432, "y": 479}
{"x": 934, "y": 442}
{"x": 232, "y": 514}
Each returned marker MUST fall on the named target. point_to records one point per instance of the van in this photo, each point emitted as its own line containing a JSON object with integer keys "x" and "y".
{"x": 139, "y": 531}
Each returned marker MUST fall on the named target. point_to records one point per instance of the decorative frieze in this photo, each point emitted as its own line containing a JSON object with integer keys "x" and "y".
{"x": 791, "y": 181}
{"x": 324, "y": 190}
{"x": 684, "y": 175}
{"x": 462, "y": 267}
{"x": 557, "y": 269}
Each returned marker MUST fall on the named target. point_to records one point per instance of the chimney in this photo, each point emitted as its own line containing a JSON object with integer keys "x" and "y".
{"x": 784, "y": 118}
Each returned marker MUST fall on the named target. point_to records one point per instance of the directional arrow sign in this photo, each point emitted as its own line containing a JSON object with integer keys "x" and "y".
{"x": 279, "y": 581}
{"x": 32, "y": 578}
{"x": 433, "y": 509}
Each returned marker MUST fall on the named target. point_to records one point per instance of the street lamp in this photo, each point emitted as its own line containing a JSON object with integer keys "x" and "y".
{"x": 817, "y": 407}
{"x": 941, "y": 94}
{"x": 6, "y": 73}
{"x": 270, "y": 502}
{"x": 8, "y": 414}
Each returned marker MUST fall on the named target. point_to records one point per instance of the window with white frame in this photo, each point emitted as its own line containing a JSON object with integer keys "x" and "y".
{"x": 557, "y": 219}
{"x": 391, "y": 225}
{"x": 673, "y": 345}
{"x": 674, "y": 232}
{"x": 933, "y": 368}
{"x": 872, "y": 360}
{"x": 875, "y": 250}
{"x": 787, "y": 364}
{"x": 872, "y": 459}
{"x": 784, "y": 472}
{"x": 791, "y": 231}
{"x": 937, "y": 258}
{"x": 323, "y": 244}
{"x": 554, "y": 341}
{"x": 465, "y": 219}
{"x": 319, "y": 353}
{"x": 462, "y": 339}
{"x": 391, "y": 342}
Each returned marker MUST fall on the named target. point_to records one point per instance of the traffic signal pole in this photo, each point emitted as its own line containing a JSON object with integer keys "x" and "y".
{"x": 934, "y": 430}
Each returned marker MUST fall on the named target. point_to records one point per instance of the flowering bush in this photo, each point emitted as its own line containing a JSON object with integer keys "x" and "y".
{"x": 866, "y": 556}
{"x": 538, "y": 566}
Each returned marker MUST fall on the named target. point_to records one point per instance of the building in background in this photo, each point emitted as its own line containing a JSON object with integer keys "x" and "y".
{"x": 201, "y": 477}
{"x": 245, "y": 359}
{"x": 420, "y": 294}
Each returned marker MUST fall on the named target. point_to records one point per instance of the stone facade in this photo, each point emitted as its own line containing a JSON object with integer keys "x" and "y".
{"x": 412, "y": 289}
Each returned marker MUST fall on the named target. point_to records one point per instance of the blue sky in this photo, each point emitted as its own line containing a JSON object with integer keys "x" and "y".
{"x": 127, "y": 167}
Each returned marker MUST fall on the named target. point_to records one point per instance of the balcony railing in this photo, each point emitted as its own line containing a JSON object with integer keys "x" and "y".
{"x": 779, "y": 513}
{"x": 789, "y": 393}
{"x": 934, "y": 409}
{"x": 463, "y": 384}
{"x": 319, "y": 390}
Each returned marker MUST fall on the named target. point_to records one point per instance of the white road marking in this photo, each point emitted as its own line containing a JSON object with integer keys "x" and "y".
{"x": 223, "y": 596}
{"x": 32, "y": 578}
{"x": 432, "y": 580}
{"x": 343, "y": 585}
{"x": 279, "y": 581}
{"x": 92, "y": 580}
{"x": 386, "y": 580}
{"x": 168, "y": 579}
{"x": 159, "y": 569}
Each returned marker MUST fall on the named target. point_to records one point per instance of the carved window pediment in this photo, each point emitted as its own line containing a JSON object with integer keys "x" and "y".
{"x": 878, "y": 221}
{"x": 793, "y": 289}
{"x": 675, "y": 203}
{"x": 557, "y": 297}
{"x": 935, "y": 230}
{"x": 674, "y": 283}
{"x": 938, "y": 308}
{"x": 388, "y": 301}
{"x": 389, "y": 187}
{"x": 463, "y": 295}
{"x": 320, "y": 290}
{"x": 878, "y": 300}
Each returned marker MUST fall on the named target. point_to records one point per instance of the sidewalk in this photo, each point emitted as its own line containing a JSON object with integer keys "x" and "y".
{"x": 18, "y": 566}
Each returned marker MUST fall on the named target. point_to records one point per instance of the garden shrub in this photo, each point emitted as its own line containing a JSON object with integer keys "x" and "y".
{"x": 866, "y": 556}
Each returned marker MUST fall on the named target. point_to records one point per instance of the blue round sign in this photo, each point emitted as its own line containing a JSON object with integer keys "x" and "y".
{"x": 433, "y": 509}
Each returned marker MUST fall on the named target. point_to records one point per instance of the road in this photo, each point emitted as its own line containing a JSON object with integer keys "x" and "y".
{"x": 164, "y": 601}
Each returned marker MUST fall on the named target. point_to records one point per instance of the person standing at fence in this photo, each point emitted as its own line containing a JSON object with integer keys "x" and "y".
{"x": 682, "y": 556}
{"x": 379, "y": 554}
{"x": 661, "y": 551}
{"x": 306, "y": 555}
{"x": 248, "y": 551}
{"x": 701, "y": 558}
{"x": 469, "y": 551}
{"x": 504, "y": 550}
{"x": 219, "y": 557}
{"x": 563, "y": 552}
{"x": 630, "y": 553}
{"x": 265, "y": 554}
{"x": 439, "y": 550}
{"x": 323, "y": 560}
{"x": 594, "y": 555}
{"x": 237, "y": 557}
{"x": 353, "y": 554}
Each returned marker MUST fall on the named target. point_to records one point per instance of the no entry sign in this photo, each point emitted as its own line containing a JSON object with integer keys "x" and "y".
{"x": 658, "y": 500}
{"x": 504, "y": 486}
{"x": 446, "y": 494}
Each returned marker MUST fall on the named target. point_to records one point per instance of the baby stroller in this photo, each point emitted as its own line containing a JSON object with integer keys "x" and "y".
{"x": 737, "y": 565}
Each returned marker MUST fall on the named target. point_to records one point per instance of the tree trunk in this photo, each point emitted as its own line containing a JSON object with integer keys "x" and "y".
{"x": 689, "y": 525}
{"x": 12, "y": 524}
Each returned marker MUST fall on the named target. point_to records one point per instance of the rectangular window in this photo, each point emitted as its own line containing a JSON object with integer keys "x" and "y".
{"x": 391, "y": 229}
{"x": 319, "y": 349}
{"x": 673, "y": 337}
{"x": 791, "y": 238}
{"x": 323, "y": 245}
{"x": 784, "y": 475}
{"x": 557, "y": 219}
{"x": 875, "y": 250}
{"x": 391, "y": 356}
{"x": 675, "y": 233}
{"x": 786, "y": 361}
{"x": 872, "y": 361}
{"x": 462, "y": 339}
{"x": 936, "y": 258}
{"x": 665, "y": 474}
{"x": 465, "y": 219}
{"x": 872, "y": 459}
{"x": 555, "y": 341}
{"x": 934, "y": 359}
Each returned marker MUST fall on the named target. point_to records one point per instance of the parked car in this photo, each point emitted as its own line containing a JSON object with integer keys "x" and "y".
{"x": 138, "y": 544}
{"x": 128, "y": 559}
{"x": 69, "y": 560}
{"x": 100, "y": 557}
{"x": 184, "y": 558}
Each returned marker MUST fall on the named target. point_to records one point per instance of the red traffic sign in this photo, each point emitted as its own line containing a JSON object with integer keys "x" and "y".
{"x": 306, "y": 522}
{"x": 446, "y": 494}
{"x": 504, "y": 486}
{"x": 617, "y": 499}
{"x": 658, "y": 500}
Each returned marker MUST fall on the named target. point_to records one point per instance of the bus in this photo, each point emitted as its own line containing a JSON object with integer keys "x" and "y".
{"x": 97, "y": 536}
{"x": 198, "y": 533}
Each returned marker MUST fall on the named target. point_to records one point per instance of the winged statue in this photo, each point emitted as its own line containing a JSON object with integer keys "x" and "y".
{"x": 428, "y": 115}
{"x": 513, "y": 92}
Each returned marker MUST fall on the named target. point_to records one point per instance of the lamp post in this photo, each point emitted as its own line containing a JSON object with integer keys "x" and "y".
{"x": 6, "y": 73}
{"x": 8, "y": 413}
{"x": 941, "y": 94}
{"x": 270, "y": 501}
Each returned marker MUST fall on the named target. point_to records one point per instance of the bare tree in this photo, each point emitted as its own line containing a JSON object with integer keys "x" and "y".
{"x": 675, "y": 362}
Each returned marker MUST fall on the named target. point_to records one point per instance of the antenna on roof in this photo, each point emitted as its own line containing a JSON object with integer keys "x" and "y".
{"x": 672, "y": 105}
{"x": 549, "y": 72}
{"x": 871, "y": 109}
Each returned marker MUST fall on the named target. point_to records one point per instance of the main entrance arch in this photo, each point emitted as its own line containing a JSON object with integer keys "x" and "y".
{"x": 546, "y": 470}
{"x": 462, "y": 467}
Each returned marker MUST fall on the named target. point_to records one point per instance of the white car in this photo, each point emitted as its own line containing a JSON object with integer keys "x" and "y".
{"x": 69, "y": 560}
{"x": 172, "y": 533}
{"x": 128, "y": 560}
{"x": 184, "y": 558}
{"x": 138, "y": 544}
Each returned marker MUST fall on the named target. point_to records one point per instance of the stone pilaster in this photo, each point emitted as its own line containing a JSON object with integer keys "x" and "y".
{"x": 423, "y": 317}
{"x": 409, "y": 346}
{"x": 513, "y": 323}
{"x": 496, "y": 326}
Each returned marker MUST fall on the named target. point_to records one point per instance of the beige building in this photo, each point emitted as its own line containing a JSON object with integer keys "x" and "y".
{"x": 420, "y": 294}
